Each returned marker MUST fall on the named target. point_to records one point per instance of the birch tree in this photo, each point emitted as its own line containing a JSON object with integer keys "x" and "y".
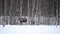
{"x": 57, "y": 12}
{"x": 21, "y": 1}
{"x": 33, "y": 8}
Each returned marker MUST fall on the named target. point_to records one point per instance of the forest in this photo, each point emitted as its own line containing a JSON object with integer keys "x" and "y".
{"x": 47, "y": 11}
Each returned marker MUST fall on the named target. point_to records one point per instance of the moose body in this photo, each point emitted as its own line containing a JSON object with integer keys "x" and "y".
{"x": 22, "y": 20}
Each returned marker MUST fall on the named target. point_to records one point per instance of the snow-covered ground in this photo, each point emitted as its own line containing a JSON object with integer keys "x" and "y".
{"x": 18, "y": 29}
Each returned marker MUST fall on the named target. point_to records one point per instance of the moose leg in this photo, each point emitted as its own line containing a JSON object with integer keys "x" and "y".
{"x": 32, "y": 23}
{"x": 21, "y": 23}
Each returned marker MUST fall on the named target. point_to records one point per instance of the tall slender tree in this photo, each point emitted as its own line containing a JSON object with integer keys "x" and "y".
{"x": 57, "y": 12}
{"x": 21, "y": 1}
{"x": 28, "y": 12}
{"x": 33, "y": 8}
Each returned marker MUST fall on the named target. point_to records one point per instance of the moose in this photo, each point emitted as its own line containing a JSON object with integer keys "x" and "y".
{"x": 22, "y": 20}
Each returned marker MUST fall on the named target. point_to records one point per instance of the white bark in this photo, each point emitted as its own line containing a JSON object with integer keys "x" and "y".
{"x": 57, "y": 14}
{"x": 21, "y": 1}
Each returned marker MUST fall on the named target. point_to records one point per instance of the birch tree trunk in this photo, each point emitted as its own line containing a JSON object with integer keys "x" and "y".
{"x": 10, "y": 14}
{"x": 3, "y": 12}
{"x": 57, "y": 13}
{"x": 21, "y": 1}
{"x": 33, "y": 8}
{"x": 28, "y": 12}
